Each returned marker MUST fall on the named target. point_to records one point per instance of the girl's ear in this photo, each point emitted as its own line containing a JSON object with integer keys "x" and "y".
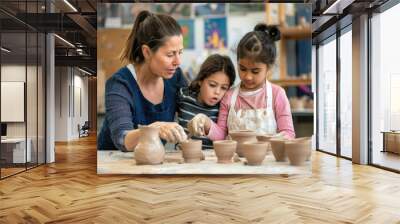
{"x": 146, "y": 51}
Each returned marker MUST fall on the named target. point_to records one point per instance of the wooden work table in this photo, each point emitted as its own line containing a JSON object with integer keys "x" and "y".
{"x": 117, "y": 162}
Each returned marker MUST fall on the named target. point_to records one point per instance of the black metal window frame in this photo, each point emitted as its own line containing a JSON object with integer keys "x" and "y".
{"x": 339, "y": 32}
{"x": 384, "y": 7}
{"x": 44, "y": 77}
{"x": 333, "y": 37}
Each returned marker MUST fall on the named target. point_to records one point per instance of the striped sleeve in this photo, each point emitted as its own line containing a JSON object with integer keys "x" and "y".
{"x": 189, "y": 106}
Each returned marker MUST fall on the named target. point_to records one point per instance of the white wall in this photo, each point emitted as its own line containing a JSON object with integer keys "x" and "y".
{"x": 71, "y": 87}
{"x": 80, "y": 94}
{"x": 13, "y": 73}
{"x": 61, "y": 103}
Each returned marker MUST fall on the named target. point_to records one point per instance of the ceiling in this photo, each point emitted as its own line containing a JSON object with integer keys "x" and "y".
{"x": 330, "y": 15}
{"x": 76, "y": 23}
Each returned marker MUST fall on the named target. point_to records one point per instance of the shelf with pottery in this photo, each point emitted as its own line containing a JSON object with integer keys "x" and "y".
{"x": 117, "y": 162}
{"x": 276, "y": 15}
{"x": 303, "y": 112}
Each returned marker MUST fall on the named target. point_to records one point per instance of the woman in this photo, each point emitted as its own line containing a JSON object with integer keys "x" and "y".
{"x": 144, "y": 92}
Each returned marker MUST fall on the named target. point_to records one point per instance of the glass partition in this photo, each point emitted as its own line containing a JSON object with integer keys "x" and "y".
{"x": 385, "y": 89}
{"x": 14, "y": 154}
{"x": 346, "y": 93}
{"x": 327, "y": 96}
{"x": 22, "y": 64}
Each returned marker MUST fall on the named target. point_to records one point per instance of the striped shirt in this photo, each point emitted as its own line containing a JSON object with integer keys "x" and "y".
{"x": 189, "y": 106}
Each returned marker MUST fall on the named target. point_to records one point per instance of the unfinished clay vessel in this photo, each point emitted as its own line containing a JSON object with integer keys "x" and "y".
{"x": 224, "y": 150}
{"x": 298, "y": 150}
{"x": 149, "y": 150}
{"x": 191, "y": 151}
{"x": 308, "y": 140}
{"x": 242, "y": 136}
{"x": 254, "y": 152}
{"x": 265, "y": 138}
{"x": 278, "y": 149}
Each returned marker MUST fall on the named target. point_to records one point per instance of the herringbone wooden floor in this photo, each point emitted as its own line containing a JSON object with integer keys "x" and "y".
{"x": 70, "y": 191}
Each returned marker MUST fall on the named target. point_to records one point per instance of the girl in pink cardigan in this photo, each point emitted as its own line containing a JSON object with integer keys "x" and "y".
{"x": 255, "y": 104}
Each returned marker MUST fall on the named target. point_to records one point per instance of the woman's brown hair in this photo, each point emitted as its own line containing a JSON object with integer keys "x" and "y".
{"x": 149, "y": 29}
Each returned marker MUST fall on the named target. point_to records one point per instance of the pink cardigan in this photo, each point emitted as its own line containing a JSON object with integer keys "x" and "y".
{"x": 281, "y": 108}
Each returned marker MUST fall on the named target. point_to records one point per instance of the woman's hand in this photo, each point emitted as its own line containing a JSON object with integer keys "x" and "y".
{"x": 170, "y": 131}
{"x": 199, "y": 125}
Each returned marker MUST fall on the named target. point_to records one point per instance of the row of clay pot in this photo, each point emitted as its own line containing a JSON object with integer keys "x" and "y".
{"x": 249, "y": 146}
{"x": 254, "y": 152}
{"x": 245, "y": 143}
{"x": 302, "y": 103}
{"x": 297, "y": 150}
{"x": 253, "y": 147}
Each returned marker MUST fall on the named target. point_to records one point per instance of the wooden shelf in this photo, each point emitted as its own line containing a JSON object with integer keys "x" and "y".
{"x": 296, "y": 32}
{"x": 291, "y": 82}
{"x": 303, "y": 112}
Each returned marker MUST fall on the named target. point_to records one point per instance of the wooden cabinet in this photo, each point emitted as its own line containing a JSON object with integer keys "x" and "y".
{"x": 391, "y": 141}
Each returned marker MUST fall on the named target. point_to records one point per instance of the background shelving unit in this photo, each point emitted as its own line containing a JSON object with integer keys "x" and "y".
{"x": 298, "y": 32}
{"x": 276, "y": 15}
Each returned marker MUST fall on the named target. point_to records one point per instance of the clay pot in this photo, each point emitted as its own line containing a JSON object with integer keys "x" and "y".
{"x": 265, "y": 138}
{"x": 254, "y": 152}
{"x": 149, "y": 150}
{"x": 296, "y": 103}
{"x": 309, "y": 104}
{"x": 191, "y": 151}
{"x": 242, "y": 136}
{"x": 298, "y": 150}
{"x": 308, "y": 140}
{"x": 278, "y": 149}
{"x": 224, "y": 150}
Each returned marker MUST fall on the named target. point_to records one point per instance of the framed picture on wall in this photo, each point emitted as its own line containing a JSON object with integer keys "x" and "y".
{"x": 187, "y": 26}
{"x": 215, "y": 33}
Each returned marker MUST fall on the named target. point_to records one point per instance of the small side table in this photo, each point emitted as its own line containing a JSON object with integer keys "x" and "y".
{"x": 391, "y": 141}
